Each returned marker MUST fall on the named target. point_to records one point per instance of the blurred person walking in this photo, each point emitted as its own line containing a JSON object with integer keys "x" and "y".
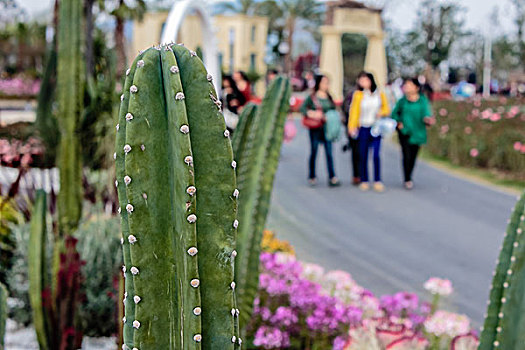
{"x": 413, "y": 114}
{"x": 314, "y": 109}
{"x": 368, "y": 105}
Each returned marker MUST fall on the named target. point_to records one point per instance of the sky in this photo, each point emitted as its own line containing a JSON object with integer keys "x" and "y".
{"x": 402, "y": 15}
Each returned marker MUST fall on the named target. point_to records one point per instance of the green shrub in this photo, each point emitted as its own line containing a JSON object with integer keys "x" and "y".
{"x": 99, "y": 246}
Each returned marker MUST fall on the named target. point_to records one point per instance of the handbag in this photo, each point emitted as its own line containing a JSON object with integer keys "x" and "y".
{"x": 311, "y": 123}
{"x": 332, "y": 128}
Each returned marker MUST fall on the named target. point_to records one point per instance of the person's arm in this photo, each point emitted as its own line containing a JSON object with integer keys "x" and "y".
{"x": 385, "y": 108}
{"x": 353, "y": 116}
{"x": 309, "y": 109}
{"x": 428, "y": 117}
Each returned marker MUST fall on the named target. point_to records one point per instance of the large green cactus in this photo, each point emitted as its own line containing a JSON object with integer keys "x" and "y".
{"x": 258, "y": 158}
{"x": 505, "y": 319}
{"x": 70, "y": 77}
{"x": 177, "y": 194}
{"x": 3, "y": 314}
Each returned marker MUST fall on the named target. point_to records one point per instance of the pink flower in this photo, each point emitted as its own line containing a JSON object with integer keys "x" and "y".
{"x": 477, "y": 103}
{"x": 495, "y": 117}
{"x": 444, "y": 129}
{"x": 443, "y": 112}
{"x": 468, "y": 130}
{"x": 439, "y": 286}
{"x": 486, "y": 114}
{"x": 475, "y": 112}
{"x": 517, "y": 146}
{"x": 474, "y": 152}
{"x": 522, "y": 148}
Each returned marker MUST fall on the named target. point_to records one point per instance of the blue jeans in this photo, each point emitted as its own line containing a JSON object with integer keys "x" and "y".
{"x": 367, "y": 141}
{"x": 316, "y": 138}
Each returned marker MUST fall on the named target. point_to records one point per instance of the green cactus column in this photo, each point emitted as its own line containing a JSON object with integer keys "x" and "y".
{"x": 505, "y": 319}
{"x": 37, "y": 269}
{"x": 258, "y": 157}
{"x": 176, "y": 183}
{"x": 242, "y": 132}
{"x": 70, "y": 83}
{"x": 3, "y": 314}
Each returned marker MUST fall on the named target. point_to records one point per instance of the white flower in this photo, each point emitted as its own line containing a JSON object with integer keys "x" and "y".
{"x": 439, "y": 286}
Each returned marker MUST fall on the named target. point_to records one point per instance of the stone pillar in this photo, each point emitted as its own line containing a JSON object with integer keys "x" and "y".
{"x": 375, "y": 61}
{"x": 331, "y": 60}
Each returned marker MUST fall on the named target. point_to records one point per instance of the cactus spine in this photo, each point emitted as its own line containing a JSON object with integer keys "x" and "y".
{"x": 505, "y": 321}
{"x": 70, "y": 77}
{"x": 258, "y": 158}
{"x": 3, "y": 314}
{"x": 176, "y": 183}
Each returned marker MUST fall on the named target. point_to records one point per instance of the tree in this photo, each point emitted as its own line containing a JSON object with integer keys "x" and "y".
{"x": 245, "y": 7}
{"x": 519, "y": 21}
{"x": 123, "y": 12}
{"x": 285, "y": 15}
{"x": 438, "y": 26}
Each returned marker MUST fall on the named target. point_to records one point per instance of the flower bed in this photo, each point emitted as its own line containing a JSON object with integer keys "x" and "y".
{"x": 300, "y": 306}
{"x": 19, "y": 88}
{"x": 481, "y": 133}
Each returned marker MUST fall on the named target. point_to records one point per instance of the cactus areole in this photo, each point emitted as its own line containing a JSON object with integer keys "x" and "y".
{"x": 175, "y": 182}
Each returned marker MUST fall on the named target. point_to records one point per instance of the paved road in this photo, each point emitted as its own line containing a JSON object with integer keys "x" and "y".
{"x": 446, "y": 226}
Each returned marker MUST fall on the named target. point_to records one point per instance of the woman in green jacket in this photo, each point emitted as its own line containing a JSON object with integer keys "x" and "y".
{"x": 413, "y": 115}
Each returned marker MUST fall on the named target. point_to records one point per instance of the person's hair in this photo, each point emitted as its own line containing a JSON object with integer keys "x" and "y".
{"x": 243, "y": 75}
{"x": 233, "y": 84}
{"x": 318, "y": 79}
{"x": 272, "y": 71}
{"x": 414, "y": 81}
{"x": 370, "y": 76}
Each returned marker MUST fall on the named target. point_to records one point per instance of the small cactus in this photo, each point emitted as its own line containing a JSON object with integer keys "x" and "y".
{"x": 3, "y": 314}
{"x": 258, "y": 153}
{"x": 38, "y": 270}
{"x": 505, "y": 318}
{"x": 175, "y": 180}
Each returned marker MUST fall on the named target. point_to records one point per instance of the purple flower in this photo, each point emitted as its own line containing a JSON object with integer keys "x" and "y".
{"x": 271, "y": 338}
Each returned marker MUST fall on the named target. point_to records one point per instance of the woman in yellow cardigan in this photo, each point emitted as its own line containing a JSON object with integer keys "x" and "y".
{"x": 368, "y": 105}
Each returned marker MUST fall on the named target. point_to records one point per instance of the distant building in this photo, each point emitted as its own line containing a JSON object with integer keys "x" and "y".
{"x": 241, "y": 40}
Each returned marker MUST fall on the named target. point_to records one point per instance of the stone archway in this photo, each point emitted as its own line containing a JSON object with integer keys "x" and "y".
{"x": 209, "y": 50}
{"x": 348, "y": 16}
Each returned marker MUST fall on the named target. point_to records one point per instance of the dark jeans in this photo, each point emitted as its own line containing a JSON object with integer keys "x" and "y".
{"x": 409, "y": 152}
{"x": 354, "y": 147}
{"x": 316, "y": 138}
{"x": 367, "y": 141}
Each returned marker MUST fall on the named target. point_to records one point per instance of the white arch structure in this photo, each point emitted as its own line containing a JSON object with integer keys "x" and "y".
{"x": 210, "y": 52}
